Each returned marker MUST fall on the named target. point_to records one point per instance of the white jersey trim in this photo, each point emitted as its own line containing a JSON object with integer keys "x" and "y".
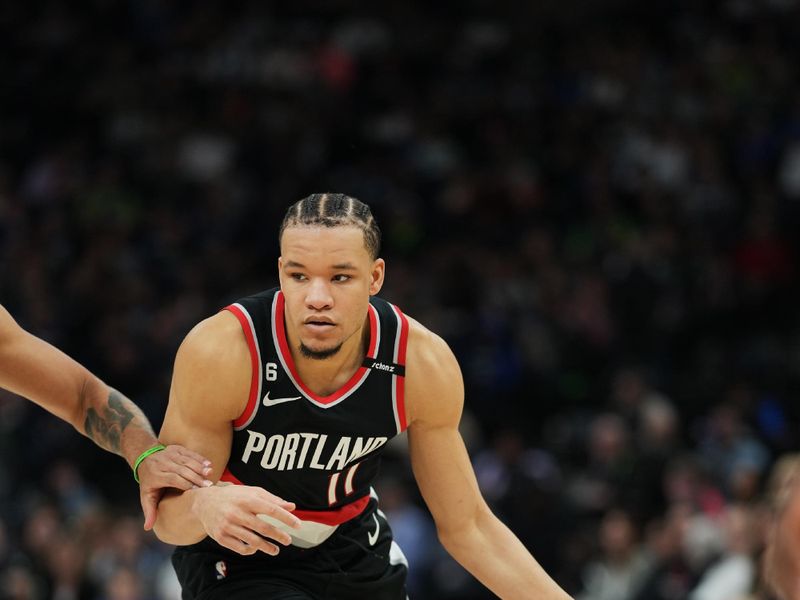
{"x": 395, "y": 356}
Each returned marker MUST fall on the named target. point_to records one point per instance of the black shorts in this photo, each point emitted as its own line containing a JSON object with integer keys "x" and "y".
{"x": 345, "y": 566}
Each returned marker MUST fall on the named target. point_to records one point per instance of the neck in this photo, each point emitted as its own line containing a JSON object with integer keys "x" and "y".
{"x": 327, "y": 375}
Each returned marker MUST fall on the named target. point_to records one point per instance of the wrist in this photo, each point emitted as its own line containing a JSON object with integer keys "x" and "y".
{"x": 198, "y": 497}
{"x": 136, "y": 445}
{"x": 158, "y": 447}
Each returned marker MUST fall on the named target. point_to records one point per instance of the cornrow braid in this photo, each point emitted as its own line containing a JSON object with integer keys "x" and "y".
{"x": 334, "y": 210}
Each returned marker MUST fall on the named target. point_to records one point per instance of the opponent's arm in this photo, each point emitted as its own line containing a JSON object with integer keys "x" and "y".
{"x": 33, "y": 368}
{"x": 210, "y": 388}
{"x": 782, "y": 556}
{"x": 466, "y": 526}
{"x": 42, "y": 373}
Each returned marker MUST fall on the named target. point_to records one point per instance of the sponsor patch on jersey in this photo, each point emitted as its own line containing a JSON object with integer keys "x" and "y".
{"x": 384, "y": 367}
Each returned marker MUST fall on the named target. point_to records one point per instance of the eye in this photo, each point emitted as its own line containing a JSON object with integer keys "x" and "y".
{"x": 341, "y": 278}
{"x": 298, "y": 276}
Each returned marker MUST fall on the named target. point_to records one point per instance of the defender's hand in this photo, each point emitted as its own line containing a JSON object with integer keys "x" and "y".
{"x": 174, "y": 467}
{"x": 229, "y": 515}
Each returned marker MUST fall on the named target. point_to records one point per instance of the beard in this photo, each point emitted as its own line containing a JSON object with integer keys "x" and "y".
{"x": 318, "y": 354}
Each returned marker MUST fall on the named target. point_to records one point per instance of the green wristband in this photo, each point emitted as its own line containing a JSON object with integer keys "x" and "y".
{"x": 142, "y": 456}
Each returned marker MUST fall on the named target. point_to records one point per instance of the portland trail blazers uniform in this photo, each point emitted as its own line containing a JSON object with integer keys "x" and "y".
{"x": 320, "y": 452}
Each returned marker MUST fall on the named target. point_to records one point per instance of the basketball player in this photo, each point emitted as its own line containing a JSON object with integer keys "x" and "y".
{"x": 33, "y": 368}
{"x": 293, "y": 394}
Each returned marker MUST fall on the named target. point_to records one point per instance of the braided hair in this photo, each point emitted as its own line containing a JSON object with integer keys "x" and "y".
{"x": 334, "y": 210}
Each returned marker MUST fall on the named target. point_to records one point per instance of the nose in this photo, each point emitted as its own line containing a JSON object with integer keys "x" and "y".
{"x": 318, "y": 296}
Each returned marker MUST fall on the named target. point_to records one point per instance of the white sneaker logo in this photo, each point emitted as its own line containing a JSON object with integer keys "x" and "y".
{"x": 373, "y": 537}
{"x": 273, "y": 401}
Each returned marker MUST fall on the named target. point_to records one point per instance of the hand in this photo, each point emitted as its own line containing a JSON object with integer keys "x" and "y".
{"x": 173, "y": 467}
{"x": 229, "y": 515}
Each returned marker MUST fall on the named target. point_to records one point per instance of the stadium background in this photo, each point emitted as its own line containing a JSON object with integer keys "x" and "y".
{"x": 595, "y": 203}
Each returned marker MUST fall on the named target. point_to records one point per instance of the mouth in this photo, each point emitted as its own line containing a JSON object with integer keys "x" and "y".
{"x": 319, "y": 324}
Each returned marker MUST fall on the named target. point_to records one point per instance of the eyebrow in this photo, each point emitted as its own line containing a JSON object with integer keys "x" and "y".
{"x": 290, "y": 264}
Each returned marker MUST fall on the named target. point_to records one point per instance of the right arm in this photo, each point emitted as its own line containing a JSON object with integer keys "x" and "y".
{"x": 210, "y": 387}
{"x": 32, "y": 368}
{"x": 39, "y": 371}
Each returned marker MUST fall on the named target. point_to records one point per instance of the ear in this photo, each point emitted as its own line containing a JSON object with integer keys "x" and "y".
{"x": 280, "y": 270}
{"x": 376, "y": 276}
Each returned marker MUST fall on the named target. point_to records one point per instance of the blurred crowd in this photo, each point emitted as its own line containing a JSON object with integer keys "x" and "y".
{"x": 595, "y": 204}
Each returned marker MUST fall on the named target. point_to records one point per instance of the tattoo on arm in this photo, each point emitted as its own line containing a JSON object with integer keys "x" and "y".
{"x": 106, "y": 426}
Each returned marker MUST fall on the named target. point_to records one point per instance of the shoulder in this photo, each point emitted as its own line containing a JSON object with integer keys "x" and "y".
{"x": 214, "y": 361}
{"x": 434, "y": 385}
{"x": 426, "y": 348}
{"x": 218, "y": 338}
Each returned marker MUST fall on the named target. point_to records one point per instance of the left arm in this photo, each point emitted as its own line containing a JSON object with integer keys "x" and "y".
{"x": 467, "y": 528}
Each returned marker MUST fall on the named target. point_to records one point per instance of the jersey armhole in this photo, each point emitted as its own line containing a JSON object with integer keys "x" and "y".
{"x": 255, "y": 361}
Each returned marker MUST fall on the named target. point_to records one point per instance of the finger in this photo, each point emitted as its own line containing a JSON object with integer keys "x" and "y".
{"x": 236, "y": 545}
{"x": 174, "y": 460}
{"x": 182, "y": 479}
{"x": 267, "y": 530}
{"x": 272, "y": 498}
{"x": 189, "y": 476}
{"x": 192, "y": 463}
{"x": 277, "y": 512}
{"x": 150, "y": 509}
{"x": 193, "y": 455}
{"x": 253, "y": 540}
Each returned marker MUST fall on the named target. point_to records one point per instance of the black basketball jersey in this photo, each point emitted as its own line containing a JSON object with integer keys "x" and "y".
{"x": 322, "y": 453}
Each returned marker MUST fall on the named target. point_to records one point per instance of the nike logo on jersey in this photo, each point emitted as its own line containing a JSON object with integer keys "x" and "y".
{"x": 373, "y": 537}
{"x": 273, "y": 401}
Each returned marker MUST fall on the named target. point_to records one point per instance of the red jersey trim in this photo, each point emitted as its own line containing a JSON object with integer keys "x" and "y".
{"x": 255, "y": 363}
{"x": 283, "y": 348}
{"x": 336, "y": 516}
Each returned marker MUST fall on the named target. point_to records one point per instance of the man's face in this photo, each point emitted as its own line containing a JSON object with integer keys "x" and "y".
{"x": 327, "y": 277}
